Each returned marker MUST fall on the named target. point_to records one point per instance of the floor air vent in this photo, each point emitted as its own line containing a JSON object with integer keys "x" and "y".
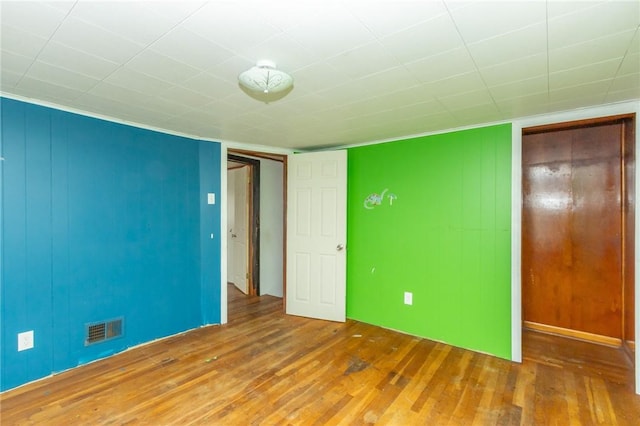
{"x": 100, "y": 331}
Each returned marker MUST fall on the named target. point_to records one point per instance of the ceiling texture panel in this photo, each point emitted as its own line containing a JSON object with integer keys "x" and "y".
{"x": 363, "y": 71}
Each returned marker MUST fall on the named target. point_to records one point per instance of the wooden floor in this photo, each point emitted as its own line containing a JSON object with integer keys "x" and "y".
{"x": 268, "y": 368}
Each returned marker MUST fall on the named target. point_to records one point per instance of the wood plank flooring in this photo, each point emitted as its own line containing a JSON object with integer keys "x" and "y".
{"x": 266, "y": 368}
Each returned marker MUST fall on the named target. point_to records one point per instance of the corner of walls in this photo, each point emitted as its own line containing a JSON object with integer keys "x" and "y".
{"x": 100, "y": 221}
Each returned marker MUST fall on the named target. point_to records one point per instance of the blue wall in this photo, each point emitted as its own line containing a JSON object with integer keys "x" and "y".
{"x": 100, "y": 221}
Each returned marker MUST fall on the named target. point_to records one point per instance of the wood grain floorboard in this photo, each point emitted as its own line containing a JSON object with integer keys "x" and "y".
{"x": 267, "y": 368}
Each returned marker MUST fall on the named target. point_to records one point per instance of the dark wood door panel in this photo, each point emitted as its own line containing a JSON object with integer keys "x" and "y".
{"x": 571, "y": 229}
{"x": 545, "y": 223}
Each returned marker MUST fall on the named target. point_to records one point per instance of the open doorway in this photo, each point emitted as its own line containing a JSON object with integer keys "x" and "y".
{"x": 578, "y": 240}
{"x": 243, "y": 224}
{"x": 266, "y": 226}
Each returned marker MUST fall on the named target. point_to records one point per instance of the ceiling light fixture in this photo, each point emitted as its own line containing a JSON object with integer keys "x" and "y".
{"x": 265, "y": 78}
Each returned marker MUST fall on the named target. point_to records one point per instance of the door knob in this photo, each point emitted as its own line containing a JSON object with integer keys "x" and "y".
{"x": 339, "y": 247}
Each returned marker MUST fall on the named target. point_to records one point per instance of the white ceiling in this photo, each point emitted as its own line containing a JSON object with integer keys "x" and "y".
{"x": 363, "y": 70}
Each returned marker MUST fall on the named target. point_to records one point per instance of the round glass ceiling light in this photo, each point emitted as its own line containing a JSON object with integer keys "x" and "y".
{"x": 265, "y": 78}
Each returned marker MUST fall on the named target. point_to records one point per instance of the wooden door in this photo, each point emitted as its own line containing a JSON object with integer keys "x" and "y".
{"x": 572, "y": 230}
{"x": 316, "y": 235}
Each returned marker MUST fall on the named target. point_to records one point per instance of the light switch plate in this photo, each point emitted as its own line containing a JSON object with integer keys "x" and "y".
{"x": 211, "y": 198}
{"x": 25, "y": 340}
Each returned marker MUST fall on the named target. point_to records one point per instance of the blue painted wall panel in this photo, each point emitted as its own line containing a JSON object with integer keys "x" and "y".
{"x": 101, "y": 221}
{"x": 37, "y": 302}
{"x": 26, "y": 266}
{"x": 62, "y": 322}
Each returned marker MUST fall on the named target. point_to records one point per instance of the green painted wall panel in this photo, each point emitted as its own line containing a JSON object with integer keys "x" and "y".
{"x": 442, "y": 231}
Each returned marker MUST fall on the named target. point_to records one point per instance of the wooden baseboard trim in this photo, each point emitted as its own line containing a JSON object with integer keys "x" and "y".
{"x": 575, "y": 334}
{"x": 629, "y": 349}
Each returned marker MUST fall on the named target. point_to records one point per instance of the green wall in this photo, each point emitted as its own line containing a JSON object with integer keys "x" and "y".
{"x": 445, "y": 237}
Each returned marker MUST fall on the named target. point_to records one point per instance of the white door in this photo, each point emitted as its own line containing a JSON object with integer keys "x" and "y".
{"x": 316, "y": 235}
{"x": 231, "y": 224}
{"x": 238, "y": 234}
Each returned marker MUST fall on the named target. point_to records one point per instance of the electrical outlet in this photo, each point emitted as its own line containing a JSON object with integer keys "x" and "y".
{"x": 408, "y": 298}
{"x": 25, "y": 340}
